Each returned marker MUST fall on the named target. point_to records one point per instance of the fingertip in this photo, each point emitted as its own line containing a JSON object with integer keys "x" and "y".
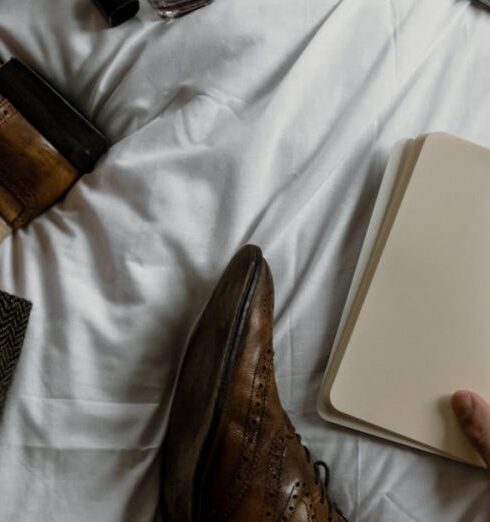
{"x": 462, "y": 403}
{"x": 473, "y": 414}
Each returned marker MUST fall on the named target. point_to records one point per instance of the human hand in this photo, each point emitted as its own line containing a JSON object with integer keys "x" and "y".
{"x": 473, "y": 414}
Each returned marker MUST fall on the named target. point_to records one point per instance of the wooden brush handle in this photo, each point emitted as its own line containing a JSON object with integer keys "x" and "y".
{"x": 33, "y": 174}
{"x": 45, "y": 145}
{"x": 52, "y": 115}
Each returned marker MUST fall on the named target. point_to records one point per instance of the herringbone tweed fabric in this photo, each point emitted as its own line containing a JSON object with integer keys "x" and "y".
{"x": 14, "y": 316}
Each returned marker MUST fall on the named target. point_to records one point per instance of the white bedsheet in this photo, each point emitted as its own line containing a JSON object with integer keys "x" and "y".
{"x": 248, "y": 121}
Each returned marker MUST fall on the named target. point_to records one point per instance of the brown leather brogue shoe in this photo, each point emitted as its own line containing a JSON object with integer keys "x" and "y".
{"x": 231, "y": 452}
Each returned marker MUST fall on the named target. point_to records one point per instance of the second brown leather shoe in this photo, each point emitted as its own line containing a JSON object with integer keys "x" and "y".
{"x": 231, "y": 453}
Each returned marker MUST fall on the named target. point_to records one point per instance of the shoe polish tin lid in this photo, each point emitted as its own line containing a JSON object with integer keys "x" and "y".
{"x": 117, "y": 12}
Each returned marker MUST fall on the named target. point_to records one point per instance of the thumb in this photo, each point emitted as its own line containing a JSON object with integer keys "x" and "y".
{"x": 473, "y": 414}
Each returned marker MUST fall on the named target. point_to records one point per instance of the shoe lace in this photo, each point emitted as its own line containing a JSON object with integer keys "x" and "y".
{"x": 318, "y": 466}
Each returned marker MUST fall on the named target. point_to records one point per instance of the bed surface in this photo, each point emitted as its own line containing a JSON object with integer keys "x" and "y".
{"x": 249, "y": 121}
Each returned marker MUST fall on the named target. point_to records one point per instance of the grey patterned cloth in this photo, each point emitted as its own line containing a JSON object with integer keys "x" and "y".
{"x": 14, "y": 316}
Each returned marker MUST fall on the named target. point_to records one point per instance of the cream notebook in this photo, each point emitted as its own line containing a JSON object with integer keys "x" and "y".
{"x": 416, "y": 324}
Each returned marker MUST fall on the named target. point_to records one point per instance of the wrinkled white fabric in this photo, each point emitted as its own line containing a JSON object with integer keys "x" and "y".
{"x": 247, "y": 121}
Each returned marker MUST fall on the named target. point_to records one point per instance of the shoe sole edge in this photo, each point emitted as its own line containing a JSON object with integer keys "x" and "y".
{"x": 182, "y": 477}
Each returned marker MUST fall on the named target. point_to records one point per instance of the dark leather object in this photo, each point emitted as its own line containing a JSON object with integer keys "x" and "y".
{"x": 33, "y": 174}
{"x": 231, "y": 452}
{"x": 117, "y": 12}
{"x": 51, "y": 114}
